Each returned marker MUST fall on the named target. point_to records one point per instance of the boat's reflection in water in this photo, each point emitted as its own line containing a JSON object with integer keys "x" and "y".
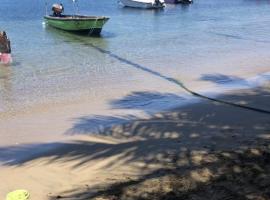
{"x": 80, "y": 38}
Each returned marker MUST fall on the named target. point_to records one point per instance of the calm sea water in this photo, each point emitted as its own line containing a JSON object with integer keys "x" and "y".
{"x": 137, "y": 51}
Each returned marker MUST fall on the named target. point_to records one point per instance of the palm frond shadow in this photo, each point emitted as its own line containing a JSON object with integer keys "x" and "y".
{"x": 218, "y": 175}
{"x": 224, "y": 79}
{"x": 181, "y": 127}
{"x": 188, "y": 142}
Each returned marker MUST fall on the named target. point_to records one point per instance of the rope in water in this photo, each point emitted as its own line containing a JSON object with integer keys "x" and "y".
{"x": 221, "y": 101}
{"x": 177, "y": 82}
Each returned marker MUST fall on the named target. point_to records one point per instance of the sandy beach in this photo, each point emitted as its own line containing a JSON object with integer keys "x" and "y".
{"x": 209, "y": 148}
{"x": 164, "y": 104}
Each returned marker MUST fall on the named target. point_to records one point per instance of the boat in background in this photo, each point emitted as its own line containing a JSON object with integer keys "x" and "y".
{"x": 91, "y": 25}
{"x": 179, "y": 1}
{"x": 147, "y": 4}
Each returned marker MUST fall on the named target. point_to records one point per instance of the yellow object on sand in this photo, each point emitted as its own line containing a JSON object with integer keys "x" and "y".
{"x": 18, "y": 195}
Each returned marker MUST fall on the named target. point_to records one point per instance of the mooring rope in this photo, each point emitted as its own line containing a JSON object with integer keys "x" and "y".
{"x": 221, "y": 101}
{"x": 177, "y": 82}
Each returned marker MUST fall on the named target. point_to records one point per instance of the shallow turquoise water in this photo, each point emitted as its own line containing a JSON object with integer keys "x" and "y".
{"x": 182, "y": 42}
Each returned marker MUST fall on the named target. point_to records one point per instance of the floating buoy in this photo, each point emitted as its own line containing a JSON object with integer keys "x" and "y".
{"x": 18, "y": 195}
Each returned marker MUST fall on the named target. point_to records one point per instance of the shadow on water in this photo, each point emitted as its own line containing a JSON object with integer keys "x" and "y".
{"x": 147, "y": 101}
{"x": 73, "y": 36}
{"x": 224, "y": 79}
{"x": 237, "y": 37}
{"x": 75, "y": 40}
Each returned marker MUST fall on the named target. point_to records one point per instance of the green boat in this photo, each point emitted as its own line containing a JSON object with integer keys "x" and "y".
{"x": 77, "y": 23}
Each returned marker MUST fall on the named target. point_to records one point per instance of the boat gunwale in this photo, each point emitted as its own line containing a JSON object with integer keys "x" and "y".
{"x": 76, "y": 17}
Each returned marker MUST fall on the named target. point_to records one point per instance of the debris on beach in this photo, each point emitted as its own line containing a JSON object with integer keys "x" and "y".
{"x": 18, "y": 195}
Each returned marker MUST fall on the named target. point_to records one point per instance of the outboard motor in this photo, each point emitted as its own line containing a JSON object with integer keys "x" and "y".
{"x": 57, "y": 9}
{"x": 159, "y": 2}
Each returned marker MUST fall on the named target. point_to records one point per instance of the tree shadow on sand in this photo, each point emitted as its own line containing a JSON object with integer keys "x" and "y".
{"x": 148, "y": 102}
{"x": 216, "y": 175}
{"x": 196, "y": 154}
{"x": 200, "y": 157}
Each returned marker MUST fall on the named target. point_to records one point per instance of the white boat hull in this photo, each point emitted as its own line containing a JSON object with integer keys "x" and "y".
{"x": 147, "y": 4}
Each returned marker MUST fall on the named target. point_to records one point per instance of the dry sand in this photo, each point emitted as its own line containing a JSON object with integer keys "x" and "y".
{"x": 204, "y": 150}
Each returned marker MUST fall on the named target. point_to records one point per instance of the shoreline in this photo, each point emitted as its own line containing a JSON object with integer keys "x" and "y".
{"x": 143, "y": 105}
{"x": 195, "y": 82}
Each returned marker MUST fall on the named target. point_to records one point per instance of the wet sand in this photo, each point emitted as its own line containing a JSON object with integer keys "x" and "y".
{"x": 56, "y": 156}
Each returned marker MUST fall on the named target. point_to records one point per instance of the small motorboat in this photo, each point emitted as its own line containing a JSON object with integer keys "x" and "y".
{"x": 5, "y": 49}
{"x": 148, "y": 4}
{"x": 178, "y": 1}
{"x": 75, "y": 23}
